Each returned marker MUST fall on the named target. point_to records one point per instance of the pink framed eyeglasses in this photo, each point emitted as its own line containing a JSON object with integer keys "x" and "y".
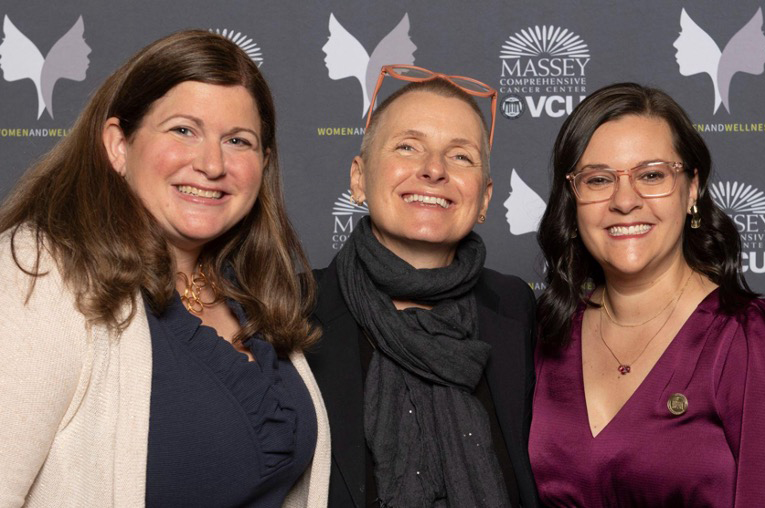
{"x": 414, "y": 73}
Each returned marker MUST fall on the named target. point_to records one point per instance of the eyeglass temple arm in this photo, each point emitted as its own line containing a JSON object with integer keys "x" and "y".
{"x": 383, "y": 71}
{"x": 493, "y": 118}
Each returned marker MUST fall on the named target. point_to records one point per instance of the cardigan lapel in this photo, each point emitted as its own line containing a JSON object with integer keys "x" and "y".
{"x": 336, "y": 364}
{"x": 134, "y": 395}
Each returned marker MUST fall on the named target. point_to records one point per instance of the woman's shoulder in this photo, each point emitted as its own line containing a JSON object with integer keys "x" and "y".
{"x": 746, "y": 312}
{"x": 24, "y": 253}
{"x": 752, "y": 317}
{"x": 36, "y": 299}
{"x": 737, "y": 333}
{"x": 506, "y": 286}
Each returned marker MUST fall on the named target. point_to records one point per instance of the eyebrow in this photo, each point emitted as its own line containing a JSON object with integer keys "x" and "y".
{"x": 199, "y": 122}
{"x": 414, "y": 133}
{"x": 606, "y": 166}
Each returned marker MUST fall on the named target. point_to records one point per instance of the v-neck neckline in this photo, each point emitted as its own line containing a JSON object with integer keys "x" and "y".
{"x": 652, "y": 373}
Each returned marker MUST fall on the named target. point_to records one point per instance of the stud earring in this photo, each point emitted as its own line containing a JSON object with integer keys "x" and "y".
{"x": 695, "y": 217}
{"x": 481, "y": 219}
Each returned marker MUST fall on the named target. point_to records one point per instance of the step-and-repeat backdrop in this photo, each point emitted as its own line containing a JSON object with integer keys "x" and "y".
{"x": 322, "y": 59}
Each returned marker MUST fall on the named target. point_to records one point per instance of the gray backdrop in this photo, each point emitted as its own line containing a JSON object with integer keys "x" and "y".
{"x": 320, "y": 56}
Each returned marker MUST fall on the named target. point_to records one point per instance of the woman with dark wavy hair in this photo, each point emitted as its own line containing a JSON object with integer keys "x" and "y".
{"x": 651, "y": 342}
{"x": 153, "y": 314}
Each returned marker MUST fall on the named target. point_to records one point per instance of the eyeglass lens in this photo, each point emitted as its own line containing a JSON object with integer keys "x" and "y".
{"x": 648, "y": 181}
{"x": 408, "y": 72}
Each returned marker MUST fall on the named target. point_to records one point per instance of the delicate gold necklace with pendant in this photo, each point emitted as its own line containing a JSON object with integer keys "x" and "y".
{"x": 626, "y": 368}
{"x": 192, "y": 294}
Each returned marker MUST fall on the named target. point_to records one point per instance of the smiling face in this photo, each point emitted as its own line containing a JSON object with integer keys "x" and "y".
{"x": 422, "y": 177}
{"x": 629, "y": 235}
{"x": 196, "y": 161}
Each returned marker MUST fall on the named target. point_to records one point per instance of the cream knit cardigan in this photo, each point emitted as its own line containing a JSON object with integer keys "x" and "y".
{"x": 74, "y": 399}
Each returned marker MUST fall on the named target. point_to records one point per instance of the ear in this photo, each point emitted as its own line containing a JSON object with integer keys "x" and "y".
{"x": 266, "y": 157}
{"x": 115, "y": 144}
{"x": 693, "y": 189}
{"x": 358, "y": 184}
{"x": 487, "y": 196}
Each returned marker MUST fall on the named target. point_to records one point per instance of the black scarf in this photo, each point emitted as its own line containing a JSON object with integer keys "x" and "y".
{"x": 429, "y": 436}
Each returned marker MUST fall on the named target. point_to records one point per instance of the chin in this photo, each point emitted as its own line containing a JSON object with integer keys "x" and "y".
{"x": 199, "y": 236}
{"x": 436, "y": 237}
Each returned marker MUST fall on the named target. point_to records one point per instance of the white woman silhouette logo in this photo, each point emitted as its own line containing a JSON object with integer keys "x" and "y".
{"x": 347, "y": 58}
{"x": 524, "y": 207}
{"x": 67, "y": 59}
{"x": 697, "y": 53}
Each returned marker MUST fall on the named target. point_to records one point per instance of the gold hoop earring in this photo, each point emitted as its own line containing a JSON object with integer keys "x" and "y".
{"x": 695, "y": 217}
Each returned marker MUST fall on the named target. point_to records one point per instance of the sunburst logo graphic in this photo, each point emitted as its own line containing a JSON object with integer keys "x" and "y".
{"x": 345, "y": 213}
{"x": 243, "y": 41}
{"x": 545, "y": 40}
{"x": 344, "y": 206}
{"x": 738, "y": 198}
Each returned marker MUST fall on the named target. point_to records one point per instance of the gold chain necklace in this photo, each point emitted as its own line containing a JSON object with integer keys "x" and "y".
{"x": 192, "y": 294}
{"x": 625, "y": 368}
{"x": 627, "y": 325}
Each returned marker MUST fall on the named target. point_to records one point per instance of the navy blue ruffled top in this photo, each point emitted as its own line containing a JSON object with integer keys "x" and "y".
{"x": 223, "y": 431}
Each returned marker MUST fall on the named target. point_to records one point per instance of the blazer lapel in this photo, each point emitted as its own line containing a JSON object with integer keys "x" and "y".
{"x": 336, "y": 364}
{"x": 506, "y": 375}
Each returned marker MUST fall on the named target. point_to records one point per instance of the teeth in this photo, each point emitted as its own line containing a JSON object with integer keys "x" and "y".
{"x": 193, "y": 191}
{"x": 631, "y": 230}
{"x": 429, "y": 200}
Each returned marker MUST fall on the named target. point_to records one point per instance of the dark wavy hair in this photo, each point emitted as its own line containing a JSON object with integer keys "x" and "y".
{"x": 107, "y": 245}
{"x": 714, "y": 249}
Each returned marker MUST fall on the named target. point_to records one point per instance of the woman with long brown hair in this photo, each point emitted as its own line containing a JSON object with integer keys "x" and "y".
{"x": 155, "y": 310}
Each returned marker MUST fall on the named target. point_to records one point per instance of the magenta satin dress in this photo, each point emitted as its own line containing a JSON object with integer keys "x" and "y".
{"x": 711, "y": 455}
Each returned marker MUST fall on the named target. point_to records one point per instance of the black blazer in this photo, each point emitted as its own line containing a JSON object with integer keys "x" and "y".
{"x": 506, "y": 321}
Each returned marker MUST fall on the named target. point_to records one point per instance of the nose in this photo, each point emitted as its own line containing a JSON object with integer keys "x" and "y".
{"x": 625, "y": 199}
{"x": 434, "y": 169}
{"x": 210, "y": 160}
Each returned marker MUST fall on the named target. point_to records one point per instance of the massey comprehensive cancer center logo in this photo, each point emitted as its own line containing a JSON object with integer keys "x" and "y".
{"x": 20, "y": 59}
{"x": 543, "y": 72}
{"x": 243, "y": 41}
{"x": 698, "y": 53}
{"x": 347, "y": 58}
{"x": 746, "y": 207}
{"x": 344, "y": 215}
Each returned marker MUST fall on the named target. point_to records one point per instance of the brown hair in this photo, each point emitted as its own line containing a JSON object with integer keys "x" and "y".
{"x": 106, "y": 243}
{"x": 438, "y": 86}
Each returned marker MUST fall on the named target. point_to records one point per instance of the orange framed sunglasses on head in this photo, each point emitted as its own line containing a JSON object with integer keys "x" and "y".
{"x": 414, "y": 73}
